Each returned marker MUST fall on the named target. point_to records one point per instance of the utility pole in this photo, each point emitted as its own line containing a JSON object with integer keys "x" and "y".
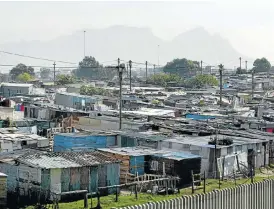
{"x": 215, "y": 151}
{"x": 201, "y": 67}
{"x": 120, "y": 72}
{"x": 130, "y": 65}
{"x": 240, "y": 63}
{"x": 146, "y": 71}
{"x": 246, "y": 65}
{"x": 84, "y": 43}
{"x": 252, "y": 87}
{"x": 54, "y": 73}
{"x": 154, "y": 69}
{"x": 127, "y": 69}
{"x": 221, "y": 83}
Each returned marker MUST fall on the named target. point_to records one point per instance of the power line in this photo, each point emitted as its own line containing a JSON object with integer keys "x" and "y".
{"x": 108, "y": 61}
{"x": 4, "y": 65}
{"x": 45, "y": 59}
{"x": 37, "y": 58}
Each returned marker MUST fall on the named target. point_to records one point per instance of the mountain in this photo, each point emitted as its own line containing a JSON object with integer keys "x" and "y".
{"x": 137, "y": 44}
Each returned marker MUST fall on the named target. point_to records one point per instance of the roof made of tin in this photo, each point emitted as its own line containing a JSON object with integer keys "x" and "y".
{"x": 66, "y": 159}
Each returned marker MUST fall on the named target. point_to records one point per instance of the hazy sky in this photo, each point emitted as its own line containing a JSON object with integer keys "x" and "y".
{"x": 247, "y": 24}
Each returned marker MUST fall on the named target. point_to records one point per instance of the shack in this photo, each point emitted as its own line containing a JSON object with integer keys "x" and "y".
{"x": 12, "y": 89}
{"x": 12, "y": 139}
{"x": 83, "y": 141}
{"x": 45, "y": 174}
{"x": 137, "y": 161}
{"x": 235, "y": 153}
{"x": 178, "y": 164}
{"x": 132, "y": 160}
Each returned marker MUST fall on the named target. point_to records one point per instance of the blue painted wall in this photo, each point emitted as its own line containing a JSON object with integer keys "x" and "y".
{"x": 136, "y": 164}
{"x": 113, "y": 176}
{"x": 76, "y": 142}
{"x": 200, "y": 117}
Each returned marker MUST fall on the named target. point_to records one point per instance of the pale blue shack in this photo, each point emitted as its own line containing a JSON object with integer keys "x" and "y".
{"x": 57, "y": 172}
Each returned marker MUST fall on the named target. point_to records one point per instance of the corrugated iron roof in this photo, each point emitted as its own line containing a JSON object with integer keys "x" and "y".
{"x": 143, "y": 151}
{"x": 177, "y": 155}
{"x": 131, "y": 151}
{"x": 66, "y": 159}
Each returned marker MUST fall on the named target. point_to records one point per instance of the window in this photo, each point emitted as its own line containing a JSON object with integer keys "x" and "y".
{"x": 154, "y": 165}
{"x": 230, "y": 150}
{"x": 23, "y": 143}
{"x": 238, "y": 149}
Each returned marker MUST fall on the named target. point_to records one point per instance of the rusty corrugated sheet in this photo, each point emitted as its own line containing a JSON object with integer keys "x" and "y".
{"x": 84, "y": 181}
{"x": 102, "y": 178}
{"x": 74, "y": 179}
{"x": 55, "y": 180}
{"x": 3, "y": 191}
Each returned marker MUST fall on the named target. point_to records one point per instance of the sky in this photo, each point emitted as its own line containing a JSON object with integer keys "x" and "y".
{"x": 247, "y": 24}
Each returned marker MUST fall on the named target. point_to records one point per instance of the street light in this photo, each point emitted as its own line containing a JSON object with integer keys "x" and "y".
{"x": 130, "y": 65}
{"x": 120, "y": 68}
{"x": 221, "y": 67}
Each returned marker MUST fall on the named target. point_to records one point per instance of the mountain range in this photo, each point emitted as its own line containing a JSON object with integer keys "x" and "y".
{"x": 137, "y": 44}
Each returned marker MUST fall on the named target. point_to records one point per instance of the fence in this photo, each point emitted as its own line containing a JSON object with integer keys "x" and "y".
{"x": 252, "y": 196}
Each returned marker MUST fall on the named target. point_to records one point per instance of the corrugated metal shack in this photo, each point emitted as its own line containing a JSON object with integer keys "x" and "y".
{"x": 174, "y": 164}
{"x": 146, "y": 139}
{"x": 238, "y": 151}
{"x": 83, "y": 141}
{"x": 77, "y": 101}
{"x": 132, "y": 160}
{"x": 141, "y": 160}
{"x": 3, "y": 190}
{"x": 12, "y": 139}
{"x": 43, "y": 174}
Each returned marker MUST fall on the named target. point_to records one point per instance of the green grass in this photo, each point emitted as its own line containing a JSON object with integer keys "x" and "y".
{"x": 108, "y": 202}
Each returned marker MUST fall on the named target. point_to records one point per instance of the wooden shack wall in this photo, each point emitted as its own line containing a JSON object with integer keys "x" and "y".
{"x": 3, "y": 191}
{"x": 124, "y": 165}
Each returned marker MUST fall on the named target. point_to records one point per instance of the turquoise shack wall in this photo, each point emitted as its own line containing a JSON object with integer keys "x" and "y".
{"x": 76, "y": 142}
{"x": 136, "y": 164}
{"x": 83, "y": 178}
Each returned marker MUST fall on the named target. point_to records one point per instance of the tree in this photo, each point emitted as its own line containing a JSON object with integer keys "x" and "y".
{"x": 24, "y": 77}
{"x": 65, "y": 79}
{"x": 45, "y": 73}
{"x": 162, "y": 79}
{"x": 183, "y": 67}
{"x": 241, "y": 71}
{"x": 20, "y": 69}
{"x": 202, "y": 81}
{"x": 89, "y": 67}
{"x": 89, "y": 61}
{"x": 90, "y": 90}
{"x": 261, "y": 65}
